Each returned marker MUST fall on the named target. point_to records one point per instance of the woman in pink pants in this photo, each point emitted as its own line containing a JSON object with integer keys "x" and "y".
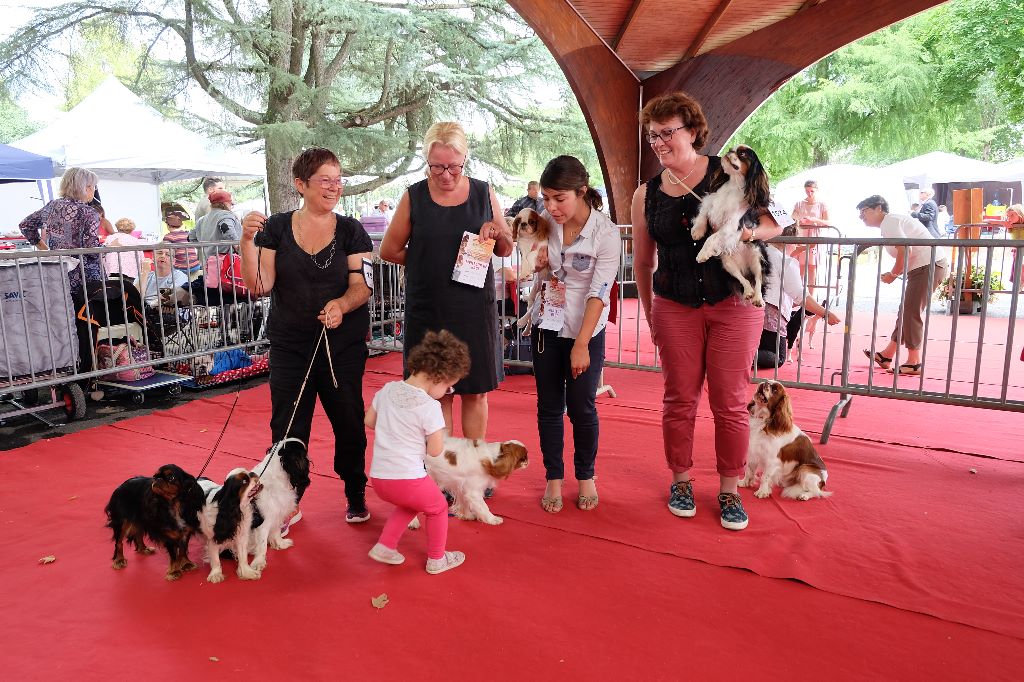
{"x": 702, "y": 327}
{"x": 408, "y": 425}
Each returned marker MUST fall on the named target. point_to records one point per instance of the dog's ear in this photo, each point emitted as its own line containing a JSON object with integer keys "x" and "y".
{"x": 229, "y": 507}
{"x": 757, "y": 192}
{"x": 511, "y": 456}
{"x": 780, "y": 412}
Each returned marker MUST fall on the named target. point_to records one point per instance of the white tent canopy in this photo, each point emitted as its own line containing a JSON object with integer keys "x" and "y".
{"x": 841, "y": 186}
{"x": 118, "y": 136}
{"x": 942, "y": 167}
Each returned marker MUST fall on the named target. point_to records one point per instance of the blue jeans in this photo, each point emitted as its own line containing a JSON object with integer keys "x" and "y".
{"x": 558, "y": 393}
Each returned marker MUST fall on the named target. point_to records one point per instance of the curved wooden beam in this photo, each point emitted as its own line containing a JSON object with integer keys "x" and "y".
{"x": 608, "y": 92}
{"x": 730, "y": 82}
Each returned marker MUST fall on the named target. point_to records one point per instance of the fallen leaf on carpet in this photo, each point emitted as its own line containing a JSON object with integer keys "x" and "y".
{"x": 73, "y": 497}
{"x": 48, "y": 559}
{"x": 214, "y": 659}
{"x": 379, "y": 602}
{"x": 202, "y": 430}
{"x": 973, "y": 471}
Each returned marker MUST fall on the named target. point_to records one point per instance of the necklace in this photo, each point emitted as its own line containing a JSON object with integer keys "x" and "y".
{"x": 312, "y": 256}
{"x": 676, "y": 181}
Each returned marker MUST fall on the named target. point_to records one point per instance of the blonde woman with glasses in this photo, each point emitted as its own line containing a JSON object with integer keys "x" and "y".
{"x": 424, "y": 235}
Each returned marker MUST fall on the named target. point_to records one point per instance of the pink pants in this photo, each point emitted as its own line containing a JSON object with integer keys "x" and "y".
{"x": 716, "y": 342}
{"x": 411, "y": 496}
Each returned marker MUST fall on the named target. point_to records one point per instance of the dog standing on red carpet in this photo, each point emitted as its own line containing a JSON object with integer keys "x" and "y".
{"x": 779, "y": 450}
{"x": 469, "y": 467}
{"x": 164, "y": 507}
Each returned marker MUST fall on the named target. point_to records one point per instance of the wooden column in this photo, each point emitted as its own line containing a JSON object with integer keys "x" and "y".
{"x": 608, "y": 93}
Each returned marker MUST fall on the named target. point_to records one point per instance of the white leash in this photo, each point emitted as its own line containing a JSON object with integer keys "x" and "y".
{"x": 330, "y": 363}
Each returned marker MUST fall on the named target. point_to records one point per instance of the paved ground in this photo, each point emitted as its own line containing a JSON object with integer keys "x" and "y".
{"x": 19, "y": 431}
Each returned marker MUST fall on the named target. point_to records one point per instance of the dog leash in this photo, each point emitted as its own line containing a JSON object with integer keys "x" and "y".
{"x": 276, "y": 447}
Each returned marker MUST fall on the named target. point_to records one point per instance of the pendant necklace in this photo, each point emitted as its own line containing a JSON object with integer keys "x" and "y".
{"x": 676, "y": 181}
{"x": 312, "y": 256}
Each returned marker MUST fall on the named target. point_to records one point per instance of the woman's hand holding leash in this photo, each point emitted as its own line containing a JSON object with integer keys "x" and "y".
{"x": 332, "y": 314}
{"x": 252, "y": 223}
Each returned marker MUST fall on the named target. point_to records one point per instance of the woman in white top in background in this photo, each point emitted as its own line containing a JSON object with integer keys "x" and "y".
{"x": 568, "y": 342}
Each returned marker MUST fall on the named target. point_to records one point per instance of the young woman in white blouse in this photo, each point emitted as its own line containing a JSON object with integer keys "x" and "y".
{"x": 568, "y": 338}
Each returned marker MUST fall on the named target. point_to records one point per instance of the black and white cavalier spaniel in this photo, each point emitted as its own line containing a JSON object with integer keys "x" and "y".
{"x": 227, "y": 521}
{"x": 284, "y": 473}
{"x": 735, "y": 205}
{"x": 165, "y": 507}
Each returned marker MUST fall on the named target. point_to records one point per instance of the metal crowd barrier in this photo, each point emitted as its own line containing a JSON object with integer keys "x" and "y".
{"x": 968, "y": 355}
{"x": 43, "y": 326}
{"x": 850, "y": 287}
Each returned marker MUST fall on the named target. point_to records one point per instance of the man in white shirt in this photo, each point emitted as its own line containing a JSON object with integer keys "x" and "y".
{"x": 916, "y": 262}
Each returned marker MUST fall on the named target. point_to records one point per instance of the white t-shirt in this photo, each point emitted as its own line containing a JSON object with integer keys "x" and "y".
{"x": 406, "y": 415}
{"x": 784, "y": 281}
{"x": 896, "y": 226}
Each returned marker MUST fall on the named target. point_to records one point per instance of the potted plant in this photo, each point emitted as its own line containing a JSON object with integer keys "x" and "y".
{"x": 971, "y": 289}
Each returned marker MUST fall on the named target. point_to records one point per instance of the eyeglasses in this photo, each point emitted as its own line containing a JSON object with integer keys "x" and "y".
{"x": 454, "y": 169}
{"x": 866, "y": 208}
{"x": 327, "y": 183}
{"x": 665, "y": 135}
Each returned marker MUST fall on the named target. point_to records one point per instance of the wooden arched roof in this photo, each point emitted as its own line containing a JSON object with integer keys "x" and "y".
{"x": 729, "y": 54}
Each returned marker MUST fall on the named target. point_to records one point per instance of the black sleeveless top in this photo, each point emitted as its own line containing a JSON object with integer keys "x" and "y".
{"x": 432, "y": 300}
{"x": 679, "y": 276}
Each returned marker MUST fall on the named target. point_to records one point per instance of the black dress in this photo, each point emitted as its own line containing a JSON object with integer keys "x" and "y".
{"x": 432, "y": 300}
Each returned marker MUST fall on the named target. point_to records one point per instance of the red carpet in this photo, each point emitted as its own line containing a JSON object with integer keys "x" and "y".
{"x": 911, "y": 569}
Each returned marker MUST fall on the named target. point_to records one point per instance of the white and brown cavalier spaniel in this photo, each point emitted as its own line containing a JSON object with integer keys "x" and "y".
{"x": 469, "y": 467}
{"x": 227, "y": 520}
{"x": 779, "y": 450}
{"x": 735, "y": 205}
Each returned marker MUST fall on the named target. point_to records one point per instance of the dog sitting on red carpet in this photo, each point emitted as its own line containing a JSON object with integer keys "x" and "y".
{"x": 164, "y": 507}
{"x": 779, "y": 450}
{"x": 469, "y": 467}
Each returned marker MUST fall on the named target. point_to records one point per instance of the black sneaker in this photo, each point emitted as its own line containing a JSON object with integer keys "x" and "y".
{"x": 733, "y": 516}
{"x": 353, "y": 515}
{"x": 357, "y": 511}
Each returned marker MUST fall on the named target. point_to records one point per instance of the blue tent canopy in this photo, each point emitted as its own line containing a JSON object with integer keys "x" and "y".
{"x": 17, "y": 165}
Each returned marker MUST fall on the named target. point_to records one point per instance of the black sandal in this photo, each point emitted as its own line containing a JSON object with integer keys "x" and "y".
{"x": 914, "y": 370}
{"x": 879, "y": 359}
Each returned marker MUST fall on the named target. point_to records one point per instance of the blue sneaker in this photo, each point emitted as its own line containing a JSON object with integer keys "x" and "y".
{"x": 733, "y": 516}
{"x": 680, "y": 499}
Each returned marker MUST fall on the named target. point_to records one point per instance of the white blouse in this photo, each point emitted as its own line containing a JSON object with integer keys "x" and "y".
{"x": 588, "y": 267}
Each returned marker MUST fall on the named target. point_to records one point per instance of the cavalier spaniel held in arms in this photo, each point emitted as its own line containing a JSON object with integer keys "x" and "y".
{"x": 164, "y": 507}
{"x": 469, "y": 467}
{"x": 227, "y": 519}
{"x": 735, "y": 205}
{"x": 779, "y": 450}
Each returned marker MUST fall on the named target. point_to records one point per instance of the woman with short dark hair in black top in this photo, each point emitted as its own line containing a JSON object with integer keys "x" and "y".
{"x": 703, "y": 328}
{"x": 311, "y": 264}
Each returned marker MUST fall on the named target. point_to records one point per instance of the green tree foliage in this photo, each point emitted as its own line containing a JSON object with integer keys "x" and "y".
{"x": 362, "y": 77}
{"x": 951, "y": 79}
{"x": 14, "y": 121}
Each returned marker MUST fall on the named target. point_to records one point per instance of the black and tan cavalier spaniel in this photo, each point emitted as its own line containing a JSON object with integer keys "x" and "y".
{"x": 164, "y": 507}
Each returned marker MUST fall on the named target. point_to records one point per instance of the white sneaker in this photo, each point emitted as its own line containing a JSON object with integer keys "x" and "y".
{"x": 295, "y": 517}
{"x": 448, "y": 561}
{"x": 386, "y": 555}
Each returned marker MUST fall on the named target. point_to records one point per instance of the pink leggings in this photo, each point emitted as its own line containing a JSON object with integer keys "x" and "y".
{"x": 716, "y": 342}
{"x": 411, "y": 496}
